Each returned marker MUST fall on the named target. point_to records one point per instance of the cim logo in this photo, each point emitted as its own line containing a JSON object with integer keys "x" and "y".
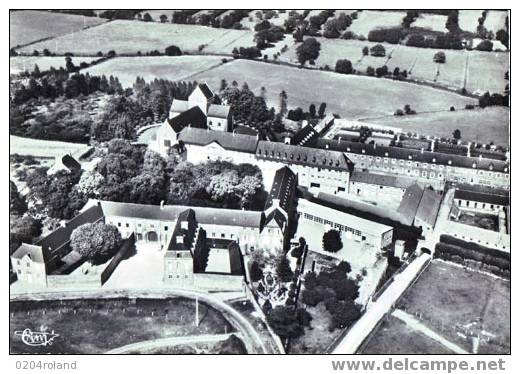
{"x": 36, "y": 338}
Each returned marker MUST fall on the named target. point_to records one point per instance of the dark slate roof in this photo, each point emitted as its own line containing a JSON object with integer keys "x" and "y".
{"x": 312, "y": 157}
{"x": 245, "y": 130}
{"x": 235, "y": 142}
{"x": 305, "y": 136}
{"x": 410, "y": 202}
{"x": 187, "y": 234}
{"x": 482, "y": 197}
{"x": 429, "y": 207}
{"x": 219, "y": 111}
{"x": 70, "y": 162}
{"x": 206, "y": 90}
{"x": 61, "y": 236}
{"x": 203, "y": 215}
{"x": 278, "y": 218}
{"x": 35, "y": 252}
{"x": 413, "y": 155}
{"x": 381, "y": 180}
{"x": 193, "y": 117}
{"x": 283, "y": 188}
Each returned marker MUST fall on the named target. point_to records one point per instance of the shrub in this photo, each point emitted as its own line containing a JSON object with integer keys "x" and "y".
{"x": 439, "y": 57}
{"x": 378, "y": 51}
{"x": 343, "y": 66}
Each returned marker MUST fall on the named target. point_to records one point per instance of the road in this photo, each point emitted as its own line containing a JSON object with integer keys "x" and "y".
{"x": 167, "y": 342}
{"x": 378, "y": 309}
{"x": 251, "y": 338}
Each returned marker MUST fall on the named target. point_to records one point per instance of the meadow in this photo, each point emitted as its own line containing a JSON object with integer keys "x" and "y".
{"x": 19, "y": 64}
{"x": 129, "y": 37}
{"x": 369, "y": 20}
{"x": 149, "y": 68}
{"x": 42, "y": 148}
{"x": 27, "y": 26}
{"x": 478, "y": 125}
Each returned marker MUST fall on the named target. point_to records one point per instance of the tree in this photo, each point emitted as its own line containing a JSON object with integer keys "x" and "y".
{"x": 288, "y": 323}
{"x": 24, "y": 229}
{"x": 283, "y": 269}
{"x": 309, "y": 50}
{"x": 456, "y": 134}
{"x": 452, "y": 23}
{"x": 147, "y": 17}
{"x": 173, "y": 50}
{"x": 365, "y": 51}
{"x": 378, "y": 51}
{"x": 97, "y": 242}
{"x": 332, "y": 241}
{"x": 503, "y": 36}
{"x": 255, "y": 272}
{"x": 343, "y": 66}
{"x": 312, "y": 110}
{"x": 321, "y": 110}
{"x": 371, "y": 71}
{"x": 439, "y": 57}
{"x": 485, "y": 45}
{"x": 344, "y": 313}
{"x": 17, "y": 204}
{"x": 163, "y": 18}
{"x": 283, "y": 103}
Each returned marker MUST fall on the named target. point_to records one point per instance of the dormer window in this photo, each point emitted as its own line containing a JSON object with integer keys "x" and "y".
{"x": 363, "y": 150}
{"x": 348, "y": 149}
{"x": 434, "y": 160}
{"x": 449, "y": 162}
{"x": 409, "y": 157}
{"x": 491, "y": 167}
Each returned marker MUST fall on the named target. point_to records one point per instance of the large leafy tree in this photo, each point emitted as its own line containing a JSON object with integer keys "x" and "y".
{"x": 97, "y": 242}
{"x": 17, "y": 204}
{"x": 287, "y": 322}
{"x": 332, "y": 241}
{"x": 309, "y": 50}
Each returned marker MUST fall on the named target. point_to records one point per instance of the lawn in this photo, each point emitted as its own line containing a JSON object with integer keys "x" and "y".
{"x": 486, "y": 69}
{"x": 98, "y": 325}
{"x": 478, "y": 125}
{"x": 42, "y": 148}
{"x": 129, "y": 37}
{"x": 368, "y": 20}
{"x": 495, "y": 20}
{"x": 348, "y": 95}
{"x": 458, "y": 303}
{"x": 28, "y": 26}
{"x": 434, "y": 22}
{"x": 149, "y": 68}
{"x": 19, "y": 64}
{"x": 468, "y": 19}
{"x": 395, "y": 337}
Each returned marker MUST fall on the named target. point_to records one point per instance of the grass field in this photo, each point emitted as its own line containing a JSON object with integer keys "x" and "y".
{"x": 97, "y": 325}
{"x": 478, "y": 125}
{"x": 149, "y": 68}
{"x": 30, "y": 25}
{"x": 485, "y": 72}
{"x": 434, "y": 22}
{"x": 495, "y": 20}
{"x": 42, "y": 148}
{"x": 26, "y": 63}
{"x": 468, "y": 19}
{"x": 349, "y": 96}
{"x": 457, "y": 303}
{"x": 131, "y": 37}
{"x": 394, "y": 337}
{"x": 373, "y": 19}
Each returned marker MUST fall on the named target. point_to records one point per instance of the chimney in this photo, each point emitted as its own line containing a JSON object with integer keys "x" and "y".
{"x": 469, "y": 149}
{"x": 327, "y": 146}
{"x": 233, "y": 132}
{"x": 433, "y": 145}
{"x": 287, "y": 140}
{"x": 422, "y": 150}
{"x": 162, "y": 204}
{"x": 339, "y": 139}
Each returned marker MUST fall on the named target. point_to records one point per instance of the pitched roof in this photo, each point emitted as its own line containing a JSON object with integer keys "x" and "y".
{"x": 283, "y": 188}
{"x": 219, "y": 111}
{"x": 70, "y": 162}
{"x": 482, "y": 197}
{"x": 35, "y": 252}
{"x": 193, "y": 117}
{"x": 179, "y": 106}
{"x": 206, "y": 90}
{"x": 245, "y": 130}
{"x": 303, "y": 156}
{"x": 410, "y": 202}
{"x": 236, "y": 142}
{"x": 203, "y": 215}
{"x": 380, "y": 179}
{"x": 277, "y": 216}
{"x": 413, "y": 155}
{"x": 187, "y": 234}
{"x": 305, "y": 136}
{"x": 429, "y": 207}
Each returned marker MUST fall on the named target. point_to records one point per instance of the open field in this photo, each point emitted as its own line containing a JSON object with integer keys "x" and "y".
{"x": 468, "y": 19}
{"x": 149, "y": 68}
{"x": 373, "y": 19}
{"x": 28, "y": 26}
{"x": 97, "y": 325}
{"x": 495, "y": 20}
{"x": 131, "y": 37}
{"x": 19, "y": 64}
{"x": 347, "y": 95}
{"x": 458, "y": 304}
{"x": 434, "y": 22}
{"x": 42, "y": 148}
{"x": 478, "y": 125}
{"x": 485, "y": 73}
{"x": 395, "y": 337}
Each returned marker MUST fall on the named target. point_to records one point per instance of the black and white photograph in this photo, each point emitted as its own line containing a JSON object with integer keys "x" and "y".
{"x": 260, "y": 182}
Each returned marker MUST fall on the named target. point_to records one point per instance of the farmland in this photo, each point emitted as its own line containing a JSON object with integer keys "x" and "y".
{"x": 419, "y": 63}
{"x": 129, "y": 37}
{"x": 495, "y": 20}
{"x": 479, "y": 125}
{"x": 468, "y": 19}
{"x": 149, "y": 68}
{"x": 372, "y": 19}
{"x": 42, "y": 148}
{"x": 28, "y": 26}
{"x": 26, "y": 63}
{"x": 434, "y": 22}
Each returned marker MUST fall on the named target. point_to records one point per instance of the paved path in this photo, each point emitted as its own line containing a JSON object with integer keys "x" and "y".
{"x": 252, "y": 339}
{"x": 419, "y": 326}
{"x": 166, "y": 342}
{"x": 379, "y": 308}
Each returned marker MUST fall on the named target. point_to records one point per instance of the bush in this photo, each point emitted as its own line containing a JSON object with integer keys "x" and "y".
{"x": 331, "y": 241}
{"x": 439, "y": 57}
{"x": 173, "y": 50}
{"x": 96, "y": 242}
{"x": 485, "y": 45}
{"x": 343, "y": 67}
{"x": 378, "y": 51}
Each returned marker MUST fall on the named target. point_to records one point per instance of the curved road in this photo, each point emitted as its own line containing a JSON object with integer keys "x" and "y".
{"x": 252, "y": 340}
